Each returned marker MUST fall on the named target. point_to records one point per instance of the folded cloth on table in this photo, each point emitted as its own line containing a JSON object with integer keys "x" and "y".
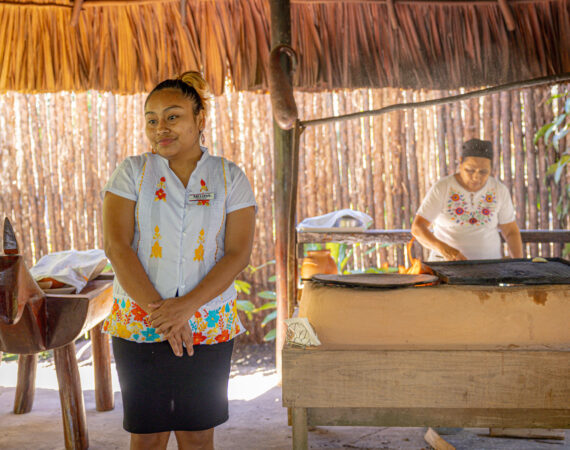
{"x": 331, "y": 221}
{"x": 71, "y": 267}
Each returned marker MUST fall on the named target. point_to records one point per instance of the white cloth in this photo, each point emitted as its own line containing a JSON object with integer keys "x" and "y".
{"x": 468, "y": 221}
{"x": 179, "y": 232}
{"x": 72, "y": 267}
{"x": 330, "y": 221}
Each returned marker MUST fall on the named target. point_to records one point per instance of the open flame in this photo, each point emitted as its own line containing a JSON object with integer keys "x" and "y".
{"x": 417, "y": 267}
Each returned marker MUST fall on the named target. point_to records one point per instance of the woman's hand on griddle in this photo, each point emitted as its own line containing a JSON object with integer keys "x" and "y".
{"x": 452, "y": 254}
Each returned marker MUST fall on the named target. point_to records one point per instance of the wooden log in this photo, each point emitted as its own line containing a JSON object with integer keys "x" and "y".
{"x": 519, "y": 179}
{"x": 488, "y": 118}
{"x": 300, "y": 430}
{"x": 441, "y": 132}
{"x": 379, "y": 173}
{"x": 554, "y": 187}
{"x": 544, "y": 223}
{"x": 410, "y": 149}
{"x": 459, "y": 127}
{"x": 26, "y": 384}
{"x": 530, "y": 130}
{"x": 71, "y": 397}
{"x": 436, "y": 441}
{"x": 496, "y": 137}
{"x": 528, "y": 433}
{"x": 451, "y": 153}
{"x": 506, "y": 140}
{"x": 104, "y": 400}
{"x": 448, "y": 417}
{"x": 284, "y": 182}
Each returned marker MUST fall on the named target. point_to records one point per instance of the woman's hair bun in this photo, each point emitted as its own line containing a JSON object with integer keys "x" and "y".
{"x": 195, "y": 79}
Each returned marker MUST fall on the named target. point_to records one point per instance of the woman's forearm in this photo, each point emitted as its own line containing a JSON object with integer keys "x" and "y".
{"x": 132, "y": 276}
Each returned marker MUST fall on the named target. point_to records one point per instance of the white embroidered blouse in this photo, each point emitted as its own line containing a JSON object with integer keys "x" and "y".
{"x": 179, "y": 235}
{"x": 468, "y": 221}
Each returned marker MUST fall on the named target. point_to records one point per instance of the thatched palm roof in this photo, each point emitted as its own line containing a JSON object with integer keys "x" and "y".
{"x": 127, "y": 46}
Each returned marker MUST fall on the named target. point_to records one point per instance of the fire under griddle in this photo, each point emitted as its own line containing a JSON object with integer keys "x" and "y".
{"x": 502, "y": 271}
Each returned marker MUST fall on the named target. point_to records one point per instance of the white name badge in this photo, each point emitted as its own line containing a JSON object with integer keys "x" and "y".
{"x": 202, "y": 196}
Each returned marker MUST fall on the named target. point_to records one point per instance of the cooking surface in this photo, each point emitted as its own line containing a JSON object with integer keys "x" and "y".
{"x": 502, "y": 271}
{"x": 375, "y": 280}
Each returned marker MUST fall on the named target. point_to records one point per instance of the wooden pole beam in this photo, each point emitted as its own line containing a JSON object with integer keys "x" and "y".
{"x": 553, "y": 79}
{"x": 75, "y": 13}
{"x": 283, "y": 181}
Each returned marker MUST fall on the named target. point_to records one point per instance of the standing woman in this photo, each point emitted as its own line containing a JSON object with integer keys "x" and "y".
{"x": 178, "y": 227}
{"x": 468, "y": 210}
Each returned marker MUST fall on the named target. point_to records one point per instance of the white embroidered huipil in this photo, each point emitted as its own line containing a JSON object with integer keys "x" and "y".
{"x": 178, "y": 237}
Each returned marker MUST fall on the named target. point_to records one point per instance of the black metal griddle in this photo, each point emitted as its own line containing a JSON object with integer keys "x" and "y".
{"x": 502, "y": 271}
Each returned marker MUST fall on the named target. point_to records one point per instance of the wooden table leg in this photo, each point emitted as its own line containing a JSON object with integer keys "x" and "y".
{"x": 300, "y": 429}
{"x": 26, "y": 384}
{"x": 104, "y": 399}
{"x": 71, "y": 397}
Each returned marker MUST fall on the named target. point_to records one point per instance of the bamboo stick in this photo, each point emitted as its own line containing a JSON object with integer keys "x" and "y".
{"x": 379, "y": 173}
{"x": 496, "y": 136}
{"x": 539, "y": 100}
{"x": 530, "y": 130}
{"x": 519, "y": 179}
{"x": 389, "y": 173}
{"x": 506, "y": 140}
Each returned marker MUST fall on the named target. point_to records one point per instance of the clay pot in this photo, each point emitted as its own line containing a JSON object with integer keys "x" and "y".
{"x": 318, "y": 261}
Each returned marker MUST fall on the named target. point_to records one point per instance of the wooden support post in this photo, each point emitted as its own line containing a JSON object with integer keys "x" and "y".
{"x": 76, "y": 11}
{"x": 300, "y": 429}
{"x": 71, "y": 398}
{"x": 26, "y": 384}
{"x": 282, "y": 144}
{"x": 104, "y": 400}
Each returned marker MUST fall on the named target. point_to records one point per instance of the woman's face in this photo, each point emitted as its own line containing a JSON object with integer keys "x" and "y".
{"x": 474, "y": 172}
{"x": 171, "y": 125}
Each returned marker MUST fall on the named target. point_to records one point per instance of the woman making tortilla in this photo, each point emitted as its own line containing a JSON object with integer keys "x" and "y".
{"x": 468, "y": 209}
{"x": 178, "y": 227}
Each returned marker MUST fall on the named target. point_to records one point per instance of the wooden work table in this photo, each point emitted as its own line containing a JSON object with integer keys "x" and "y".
{"x": 55, "y": 322}
{"x": 451, "y": 356}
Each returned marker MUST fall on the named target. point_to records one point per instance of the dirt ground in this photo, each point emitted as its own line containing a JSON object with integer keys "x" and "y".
{"x": 257, "y": 418}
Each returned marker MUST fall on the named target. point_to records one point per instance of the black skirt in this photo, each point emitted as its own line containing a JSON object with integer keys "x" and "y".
{"x": 164, "y": 392}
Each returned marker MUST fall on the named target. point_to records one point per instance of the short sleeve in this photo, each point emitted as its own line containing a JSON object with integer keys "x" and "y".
{"x": 124, "y": 179}
{"x": 240, "y": 193}
{"x": 433, "y": 203}
{"x": 506, "y": 212}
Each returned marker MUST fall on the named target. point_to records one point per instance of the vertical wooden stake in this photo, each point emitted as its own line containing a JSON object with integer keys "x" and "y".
{"x": 282, "y": 145}
{"x": 104, "y": 400}
{"x": 26, "y": 385}
{"x": 71, "y": 398}
{"x": 300, "y": 429}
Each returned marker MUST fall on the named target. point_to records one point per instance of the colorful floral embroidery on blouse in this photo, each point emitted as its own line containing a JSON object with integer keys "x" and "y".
{"x": 480, "y": 213}
{"x": 129, "y": 321}
{"x": 203, "y": 188}
{"x": 156, "y": 249}
{"x": 160, "y": 193}
{"x": 199, "y": 251}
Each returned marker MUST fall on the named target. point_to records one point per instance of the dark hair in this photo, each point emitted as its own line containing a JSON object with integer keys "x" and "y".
{"x": 477, "y": 148}
{"x": 182, "y": 86}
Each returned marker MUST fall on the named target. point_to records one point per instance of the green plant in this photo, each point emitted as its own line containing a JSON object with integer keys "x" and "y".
{"x": 249, "y": 308}
{"x": 558, "y": 128}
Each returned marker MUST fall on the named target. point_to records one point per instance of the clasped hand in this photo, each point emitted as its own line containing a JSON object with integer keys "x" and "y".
{"x": 170, "y": 318}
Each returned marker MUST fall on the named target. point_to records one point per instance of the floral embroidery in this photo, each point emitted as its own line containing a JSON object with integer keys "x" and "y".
{"x": 156, "y": 250}
{"x": 199, "y": 252}
{"x": 129, "y": 321}
{"x": 160, "y": 193}
{"x": 480, "y": 212}
{"x": 203, "y": 188}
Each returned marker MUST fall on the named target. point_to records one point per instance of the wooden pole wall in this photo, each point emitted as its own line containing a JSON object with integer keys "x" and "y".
{"x": 58, "y": 150}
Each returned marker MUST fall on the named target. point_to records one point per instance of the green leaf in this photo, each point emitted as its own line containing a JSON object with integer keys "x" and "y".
{"x": 245, "y": 305}
{"x": 334, "y": 247}
{"x": 541, "y": 132}
{"x": 242, "y": 286}
{"x": 269, "y": 295}
{"x": 269, "y": 317}
{"x": 268, "y": 305}
{"x": 272, "y": 278}
{"x": 560, "y": 134}
{"x": 270, "y": 336}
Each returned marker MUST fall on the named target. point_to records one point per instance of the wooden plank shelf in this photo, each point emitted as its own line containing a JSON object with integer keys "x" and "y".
{"x": 404, "y": 236}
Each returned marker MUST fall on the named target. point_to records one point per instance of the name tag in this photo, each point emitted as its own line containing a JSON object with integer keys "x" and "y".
{"x": 202, "y": 196}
